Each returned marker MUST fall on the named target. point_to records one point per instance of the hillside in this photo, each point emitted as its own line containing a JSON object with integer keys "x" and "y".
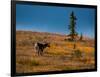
{"x": 59, "y": 56}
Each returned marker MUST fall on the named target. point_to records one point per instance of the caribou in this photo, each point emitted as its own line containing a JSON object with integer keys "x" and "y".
{"x": 39, "y": 47}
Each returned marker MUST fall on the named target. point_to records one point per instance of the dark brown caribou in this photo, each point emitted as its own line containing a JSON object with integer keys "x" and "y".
{"x": 39, "y": 47}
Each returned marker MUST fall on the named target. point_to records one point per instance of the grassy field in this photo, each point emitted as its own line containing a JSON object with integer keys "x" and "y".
{"x": 58, "y": 57}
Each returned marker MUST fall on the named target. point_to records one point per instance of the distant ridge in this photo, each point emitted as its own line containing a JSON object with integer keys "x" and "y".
{"x": 53, "y": 34}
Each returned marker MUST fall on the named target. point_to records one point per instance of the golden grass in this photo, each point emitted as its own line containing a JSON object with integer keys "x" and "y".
{"x": 59, "y": 56}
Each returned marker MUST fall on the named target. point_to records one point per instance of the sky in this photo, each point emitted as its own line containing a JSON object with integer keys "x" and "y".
{"x": 54, "y": 19}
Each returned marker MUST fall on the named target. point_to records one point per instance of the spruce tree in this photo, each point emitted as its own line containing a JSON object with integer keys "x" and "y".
{"x": 81, "y": 37}
{"x": 72, "y": 26}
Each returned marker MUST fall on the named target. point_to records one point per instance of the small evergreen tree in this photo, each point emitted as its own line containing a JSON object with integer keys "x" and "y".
{"x": 81, "y": 37}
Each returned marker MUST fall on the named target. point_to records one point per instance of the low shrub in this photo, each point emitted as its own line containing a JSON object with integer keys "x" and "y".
{"x": 34, "y": 63}
{"x": 77, "y": 53}
{"x": 28, "y": 62}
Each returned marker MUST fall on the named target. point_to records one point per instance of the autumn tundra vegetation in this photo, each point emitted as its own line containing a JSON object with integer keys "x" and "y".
{"x": 64, "y": 52}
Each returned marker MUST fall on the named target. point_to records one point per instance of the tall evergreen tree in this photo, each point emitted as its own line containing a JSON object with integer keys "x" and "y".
{"x": 72, "y": 26}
